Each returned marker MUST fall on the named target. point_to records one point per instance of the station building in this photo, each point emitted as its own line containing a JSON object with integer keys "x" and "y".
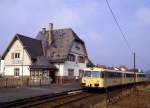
{"x": 55, "y": 53}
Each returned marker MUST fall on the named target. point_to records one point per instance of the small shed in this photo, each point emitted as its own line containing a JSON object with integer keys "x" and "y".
{"x": 42, "y": 69}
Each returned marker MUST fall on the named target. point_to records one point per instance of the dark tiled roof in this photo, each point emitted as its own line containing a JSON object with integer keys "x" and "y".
{"x": 42, "y": 62}
{"x": 90, "y": 63}
{"x": 32, "y": 46}
{"x": 61, "y": 44}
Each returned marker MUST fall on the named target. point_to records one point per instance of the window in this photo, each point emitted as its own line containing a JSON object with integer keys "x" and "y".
{"x": 95, "y": 74}
{"x": 81, "y": 59}
{"x": 71, "y": 57}
{"x": 129, "y": 75}
{"x": 141, "y": 75}
{"x": 33, "y": 74}
{"x": 77, "y": 47}
{"x": 102, "y": 74}
{"x": 16, "y": 72}
{"x": 15, "y": 55}
{"x": 40, "y": 74}
{"x": 37, "y": 74}
{"x": 81, "y": 73}
{"x": 87, "y": 74}
{"x": 46, "y": 74}
{"x": 70, "y": 73}
{"x": 113, "y": 74}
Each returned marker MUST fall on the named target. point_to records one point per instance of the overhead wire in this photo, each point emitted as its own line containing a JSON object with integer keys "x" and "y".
{"x": 119, "y": 27}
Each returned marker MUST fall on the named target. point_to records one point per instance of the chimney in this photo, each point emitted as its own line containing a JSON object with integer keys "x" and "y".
{"x": 43, "y": 30}
{"x": 50, "y": 38}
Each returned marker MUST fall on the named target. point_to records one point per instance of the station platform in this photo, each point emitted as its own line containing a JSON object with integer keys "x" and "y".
{"x": 13, "y": 94}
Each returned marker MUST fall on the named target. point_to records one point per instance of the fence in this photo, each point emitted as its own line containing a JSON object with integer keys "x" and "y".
{"x": 18, "y": 82}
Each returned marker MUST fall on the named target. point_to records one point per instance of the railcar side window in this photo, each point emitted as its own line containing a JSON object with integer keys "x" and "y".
{"x": 95, "y": 74}
{"x": 87, "y": 74}
{"x": 117, "y": 74}
{"x": 102, "y": 74}
{"x": 129, "y": 75}
{"x": 113, "y": 74}
{"x": 141, "y": 75}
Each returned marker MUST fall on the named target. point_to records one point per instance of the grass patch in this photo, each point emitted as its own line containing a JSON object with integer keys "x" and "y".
{"x": 147, "y": 90}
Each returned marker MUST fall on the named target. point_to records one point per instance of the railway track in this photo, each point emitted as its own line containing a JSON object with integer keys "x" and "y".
{"x": 50, "y": 101}
{"x": 62, "y": 99}
{"x": 24, "y": 103}
{"x": 88, "y": 98}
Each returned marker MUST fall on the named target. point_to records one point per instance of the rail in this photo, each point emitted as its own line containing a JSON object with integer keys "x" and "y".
{"x": 28, "y": 102}
{"x": 61, "y": 99}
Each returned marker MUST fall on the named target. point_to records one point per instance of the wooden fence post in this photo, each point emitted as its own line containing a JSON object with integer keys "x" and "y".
{"x": 40, "y": 82}
{"x": 6, "y": 82}
{"x": 27, "y": 82}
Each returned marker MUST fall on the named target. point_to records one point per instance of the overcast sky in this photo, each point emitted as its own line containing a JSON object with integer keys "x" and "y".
{"x": 91, "y": 20}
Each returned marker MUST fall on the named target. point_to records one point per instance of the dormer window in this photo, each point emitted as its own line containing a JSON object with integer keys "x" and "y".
{"x": 71, "y": 57}
{"x": 81, "y": 59}
{"x": 77, "y": 47}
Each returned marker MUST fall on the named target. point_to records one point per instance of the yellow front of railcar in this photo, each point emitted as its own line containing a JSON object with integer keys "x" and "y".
{"x": 93, "y": 78}
{"x": 93, "y": 82}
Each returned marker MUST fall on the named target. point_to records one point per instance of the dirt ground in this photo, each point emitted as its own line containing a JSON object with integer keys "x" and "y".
{"x": 137, "y": 99}
{"x": 140, "y": 98}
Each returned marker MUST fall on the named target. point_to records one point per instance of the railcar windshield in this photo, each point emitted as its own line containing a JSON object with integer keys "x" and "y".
{"x": 87, "y": 74}
{"x": 95, "y": 74}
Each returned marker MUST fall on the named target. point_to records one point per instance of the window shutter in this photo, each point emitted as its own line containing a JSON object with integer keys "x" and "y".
{"x": 12, "y": 55}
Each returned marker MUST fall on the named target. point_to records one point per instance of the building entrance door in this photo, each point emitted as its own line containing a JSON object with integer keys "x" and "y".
{"x": 52, "y": 75}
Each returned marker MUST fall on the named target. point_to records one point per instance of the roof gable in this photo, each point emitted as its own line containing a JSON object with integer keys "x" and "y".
{"x": 32, "y": 46}
{"x": 61, "y": 45}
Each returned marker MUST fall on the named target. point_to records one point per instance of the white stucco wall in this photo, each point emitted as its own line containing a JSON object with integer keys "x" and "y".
{"x": 73, "y": 65}
{"x": 63, "y": 68}
{"x": 78, "y": 48}
{"x": 9, "y": 70}
{"x": 17, "y": 47}
{"x": 76, "y": 66}
{"x": 60, "y": 68}
{"x": 2, "y": 67}
{"x": 10, "y": 64}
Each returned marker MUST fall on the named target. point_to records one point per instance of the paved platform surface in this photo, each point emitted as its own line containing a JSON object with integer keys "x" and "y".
{"x": 12, "y": 94}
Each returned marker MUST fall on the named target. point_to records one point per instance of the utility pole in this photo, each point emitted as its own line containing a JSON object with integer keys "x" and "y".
{"x": 134, "y": 70}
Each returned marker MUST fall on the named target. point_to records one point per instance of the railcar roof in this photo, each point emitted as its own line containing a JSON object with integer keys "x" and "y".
{"x": 94, "y": 69}
{"x": 108, "y": 70}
